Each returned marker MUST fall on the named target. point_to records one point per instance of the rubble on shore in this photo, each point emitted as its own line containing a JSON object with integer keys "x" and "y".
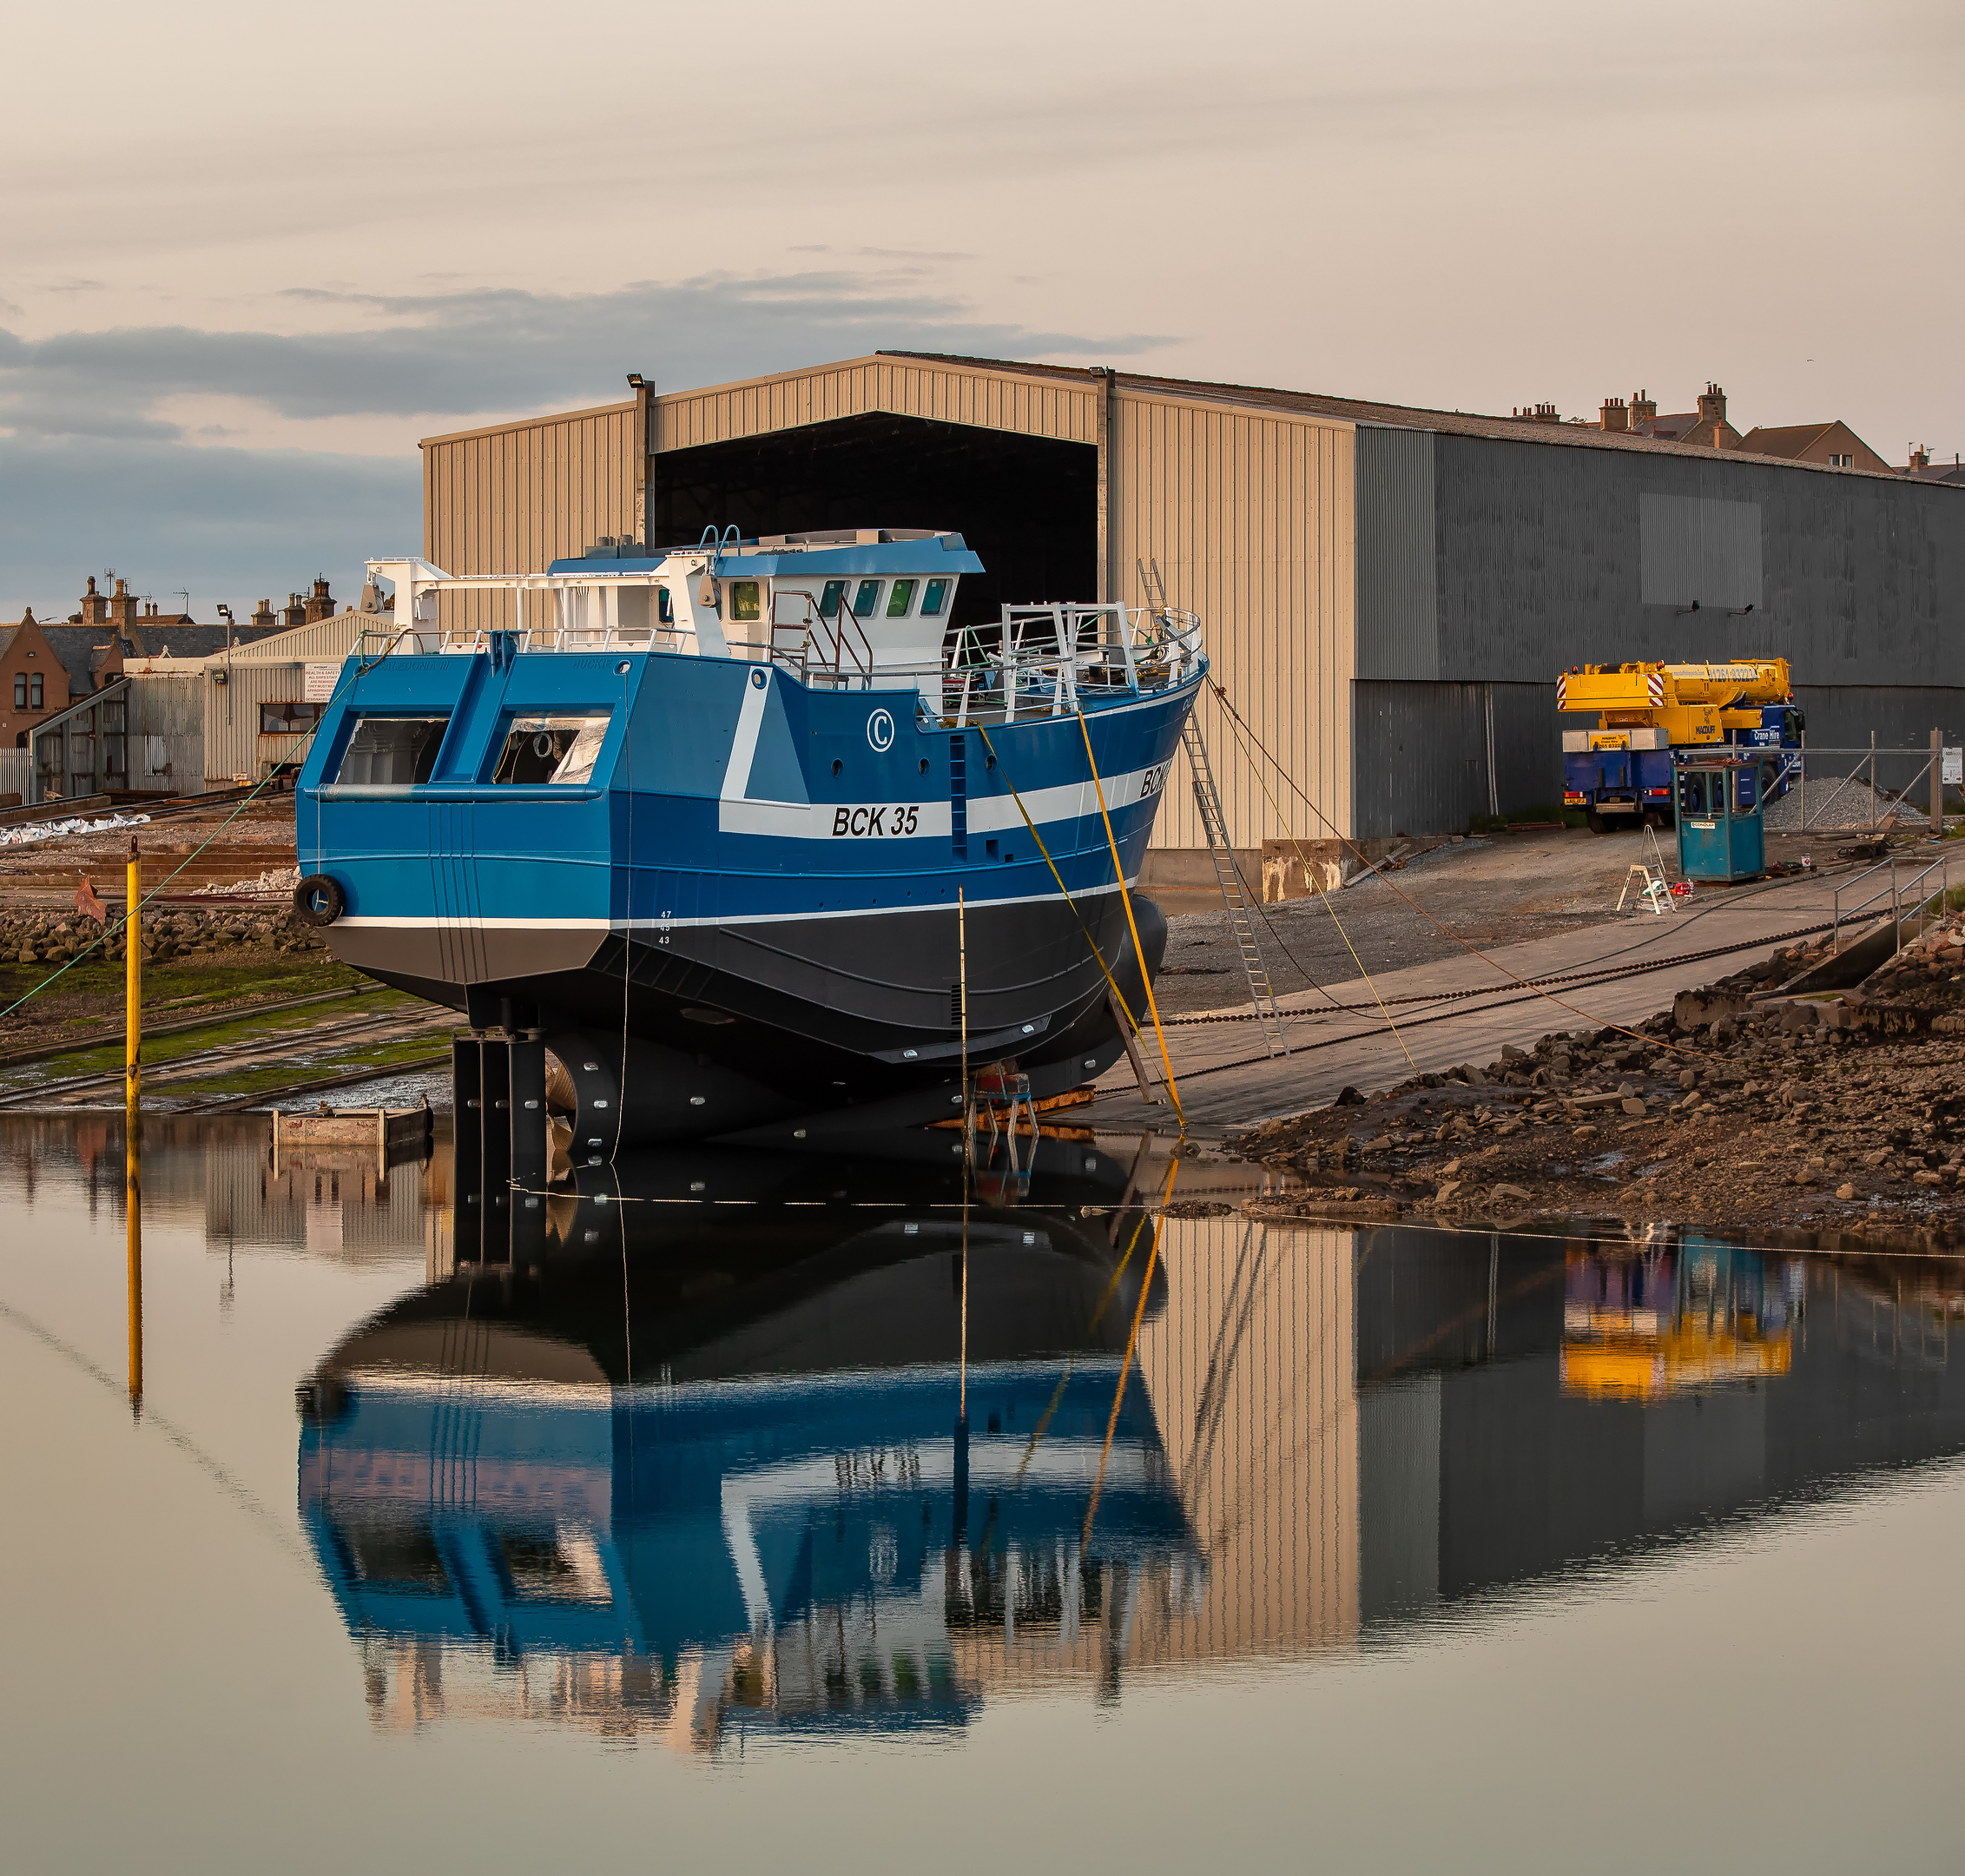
{"x": 53, "y": 937}
{"x": 1740, "y": 1107}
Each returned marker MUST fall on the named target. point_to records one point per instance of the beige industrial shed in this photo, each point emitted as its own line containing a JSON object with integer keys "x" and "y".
{"x": 258, "y": 710}
{"x": 1387, "y": 592}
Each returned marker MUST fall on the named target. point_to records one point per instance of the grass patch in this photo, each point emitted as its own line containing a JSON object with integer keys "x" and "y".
{"x": 101, "y": 1058}
{"x": 95, "y": 987}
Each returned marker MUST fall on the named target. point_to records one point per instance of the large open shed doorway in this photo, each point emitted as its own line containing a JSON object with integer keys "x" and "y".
{"x": 1028, "y": 505}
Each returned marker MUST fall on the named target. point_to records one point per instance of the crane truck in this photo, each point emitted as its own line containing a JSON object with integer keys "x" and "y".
{"x": 1619, "y": 773}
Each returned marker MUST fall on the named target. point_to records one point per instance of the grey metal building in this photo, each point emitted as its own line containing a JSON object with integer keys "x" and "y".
{"x": 1389, "y": 592}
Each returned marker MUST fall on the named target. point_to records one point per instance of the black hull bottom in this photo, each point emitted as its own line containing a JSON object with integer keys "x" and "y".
{"x": 788, "y": 1030}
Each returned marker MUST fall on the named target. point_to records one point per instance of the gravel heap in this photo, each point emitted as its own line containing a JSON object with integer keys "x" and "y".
{"x": 1722, "y": 1112}
{"x": 1857, "y": 805}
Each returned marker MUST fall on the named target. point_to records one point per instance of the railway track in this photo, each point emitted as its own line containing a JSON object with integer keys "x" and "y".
{"x": 198, "y": 1063}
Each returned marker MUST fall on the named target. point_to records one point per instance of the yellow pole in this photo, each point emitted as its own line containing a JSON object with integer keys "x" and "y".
{"x": 1145, "y": 975}
{"x": 133, "y": 1099}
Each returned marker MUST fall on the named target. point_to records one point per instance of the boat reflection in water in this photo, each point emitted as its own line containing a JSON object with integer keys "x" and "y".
{"x": 698, "y": 1460}
{"x": 688, "y": 1464}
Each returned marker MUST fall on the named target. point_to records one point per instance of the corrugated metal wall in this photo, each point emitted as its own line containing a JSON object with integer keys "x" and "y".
{"x": 166, "y": 732}
{"x": 1398, "y": 556}
{"x": 1031, "y": 405}
{"x": 16, "y": 773}
{"x": 1249, "y": 516}
{"x": 1541, "y": 556}
{"x": 1252, "y": 1371}
{"x": 1422, "y": 754}
{"x": 325, "y": 642}
{"x": 515, "y": 499}
{"x": 234, "y": 749}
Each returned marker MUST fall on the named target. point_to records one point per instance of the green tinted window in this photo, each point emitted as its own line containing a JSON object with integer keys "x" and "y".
{"x": 866, "y": 599}
{"x": 933, "y": 599}
{"x": 664, "y": 606}
{"x": 829, "y": 600}
{"x": 901, "y": 598}
{"x": 744, "y": 602}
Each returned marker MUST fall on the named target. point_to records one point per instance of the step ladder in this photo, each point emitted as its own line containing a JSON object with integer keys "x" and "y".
{"x": 1241, "y": 922}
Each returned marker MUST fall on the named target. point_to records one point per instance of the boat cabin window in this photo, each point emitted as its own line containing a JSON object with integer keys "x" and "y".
{"x": 391, "y": 751}
{"x": 900, "y": 598}
{"x": 560, "y": 748}
{"x": 830, "y": 598}
{"x": 744, "y": 602}
{"x": 934, "y": 597}
{"x": 866, "y": 599}
{"x": 664, "y": 606}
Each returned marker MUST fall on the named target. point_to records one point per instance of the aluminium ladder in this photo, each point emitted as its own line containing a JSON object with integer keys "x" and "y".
{"x": 1208, "y": 799}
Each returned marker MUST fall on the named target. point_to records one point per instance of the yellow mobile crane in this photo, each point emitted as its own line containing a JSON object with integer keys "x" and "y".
{"x": 1622, "y": 769}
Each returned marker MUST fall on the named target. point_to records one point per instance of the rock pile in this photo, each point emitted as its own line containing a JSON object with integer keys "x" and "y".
{"x": 203, "y": 934}
{"x": 1738, "y": 1106}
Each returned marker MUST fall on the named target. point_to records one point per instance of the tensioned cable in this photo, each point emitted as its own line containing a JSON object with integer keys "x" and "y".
{"x": 1245, "y": 737}
{"x": 1133, "y": 1343}
{"x": 1091, "y": 944}
{"x": 1335, "y": 920}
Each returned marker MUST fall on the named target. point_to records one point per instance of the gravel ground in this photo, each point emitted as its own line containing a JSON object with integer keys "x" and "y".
{"x": 1838, "y": 1119}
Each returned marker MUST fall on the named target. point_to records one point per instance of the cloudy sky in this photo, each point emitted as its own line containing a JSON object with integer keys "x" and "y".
{"x": 250, "y": 255}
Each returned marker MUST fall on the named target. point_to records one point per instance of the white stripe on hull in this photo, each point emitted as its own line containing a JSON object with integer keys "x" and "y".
{"x": 359, "y": 921}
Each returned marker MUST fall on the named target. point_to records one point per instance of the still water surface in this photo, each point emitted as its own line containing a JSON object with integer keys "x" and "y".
{"x": 679, "y": 1527}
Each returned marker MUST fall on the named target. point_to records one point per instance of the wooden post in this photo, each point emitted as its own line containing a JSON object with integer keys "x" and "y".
{"x": 133, "y": 1103}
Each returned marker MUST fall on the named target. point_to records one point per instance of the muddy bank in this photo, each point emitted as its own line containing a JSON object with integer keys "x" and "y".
{"x": 1739, "y": 1109}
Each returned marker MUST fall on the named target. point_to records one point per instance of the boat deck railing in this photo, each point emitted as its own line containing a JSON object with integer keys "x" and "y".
{"x": 1046, "y": 659}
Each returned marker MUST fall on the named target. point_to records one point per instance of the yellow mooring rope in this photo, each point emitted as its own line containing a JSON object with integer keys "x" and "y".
{"x": 1145, "y": 975}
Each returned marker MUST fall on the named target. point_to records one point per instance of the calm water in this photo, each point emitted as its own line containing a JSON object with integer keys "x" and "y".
{"x": 658, "y": 1532}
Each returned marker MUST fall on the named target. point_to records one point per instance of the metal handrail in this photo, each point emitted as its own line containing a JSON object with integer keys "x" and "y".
{"x": 1898, "y": 895}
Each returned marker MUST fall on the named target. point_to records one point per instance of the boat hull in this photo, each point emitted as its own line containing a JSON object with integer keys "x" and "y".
{"x": 764, "y": 906}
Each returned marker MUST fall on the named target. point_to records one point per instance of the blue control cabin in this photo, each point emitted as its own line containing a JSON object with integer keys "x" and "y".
{"x": 1721, "y": 836}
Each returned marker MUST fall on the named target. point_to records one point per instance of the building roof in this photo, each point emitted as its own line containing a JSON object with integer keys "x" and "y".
{"x": 1786, "y": 439}
{"x": 83, "y": 651}
{"x": 1570, "y": 435}
{"x": 195, "y": 641}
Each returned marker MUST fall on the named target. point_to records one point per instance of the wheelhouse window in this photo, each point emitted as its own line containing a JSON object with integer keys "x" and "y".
{"x": 744, "y": 601}
{"x": 558, "y": 749}
{"x": 391, "y": 751}
{"x": 664, "y": 606}
{"x": 900, "y": 598}
{"x": 934, "y": 597}
{"x": 288, "y": 719}
{"x": 829, "y": 597}
{"x": 866, "y": 599}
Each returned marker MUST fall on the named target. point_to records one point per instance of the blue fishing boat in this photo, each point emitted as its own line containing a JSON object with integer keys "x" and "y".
{"x": 730, "y": 826}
